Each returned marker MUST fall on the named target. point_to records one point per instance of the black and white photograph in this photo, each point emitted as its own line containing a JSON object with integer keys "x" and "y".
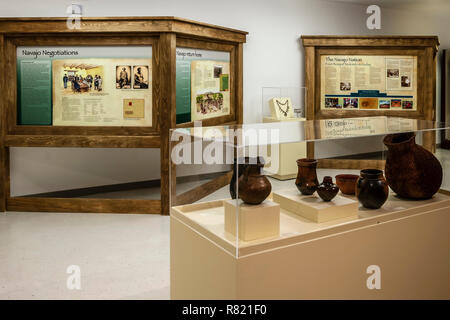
{"x": 123, "y": 77}
{"x": 140, "y": 76}
{"x": 392, "y": 73}
{"x": 406, "y": 81}
{"x": 346, "y": 86}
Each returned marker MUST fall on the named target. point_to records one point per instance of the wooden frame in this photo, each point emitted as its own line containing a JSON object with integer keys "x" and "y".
{"x": 445, "y": 96}
{"x": 164, "y": 34}
{"x": 424, "y": 47}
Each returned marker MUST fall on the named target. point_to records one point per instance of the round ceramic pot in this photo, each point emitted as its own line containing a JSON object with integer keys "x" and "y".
{"x": 347, "y": 183}
{"x": 411, "y": 170}
{"x": 253, "y": 187}
{"x": 327, "y": 190}
{"x": 372, "y": 189}
{"x": 306, "y": 181}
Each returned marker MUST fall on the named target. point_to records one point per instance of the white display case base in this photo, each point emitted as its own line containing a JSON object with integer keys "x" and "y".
{"x": 255, "y": 221}
{"x": 406, "y": 241}
{"x": 314, "y": 208}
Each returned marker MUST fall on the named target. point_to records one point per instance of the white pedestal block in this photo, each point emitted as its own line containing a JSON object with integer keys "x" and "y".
{"x": 255, "y": 221}
{"x": 314, "y": 208}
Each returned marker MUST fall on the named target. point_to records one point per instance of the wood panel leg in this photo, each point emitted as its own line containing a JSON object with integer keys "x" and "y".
{"x": 429, "y": 141}
{"x": 239, "y": 84}
{"x": 310, "y": 150}
{"x": 167, "y": 59}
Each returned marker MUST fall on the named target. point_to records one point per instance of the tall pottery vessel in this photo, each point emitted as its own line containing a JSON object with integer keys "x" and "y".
{"x": 411, "y": 171}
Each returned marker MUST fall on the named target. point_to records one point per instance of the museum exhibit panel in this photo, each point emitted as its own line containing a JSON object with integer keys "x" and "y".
{"x": 112, "y": 83}
{"x": 363, "y": 76}
{"x": 248, "y": 235}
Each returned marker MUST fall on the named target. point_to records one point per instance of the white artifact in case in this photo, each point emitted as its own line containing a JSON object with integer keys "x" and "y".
{"x": 314, "y": 208}
{"x": 281, "y": 108}
{"x": 255, "y": 221}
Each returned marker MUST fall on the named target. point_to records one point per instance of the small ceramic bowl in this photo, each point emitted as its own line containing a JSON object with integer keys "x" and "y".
{"x": 347, "y": 183}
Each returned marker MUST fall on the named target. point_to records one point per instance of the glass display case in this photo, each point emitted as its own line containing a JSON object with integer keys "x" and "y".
{"x": 222, "y": 189}
{"x": 281, "y": 104}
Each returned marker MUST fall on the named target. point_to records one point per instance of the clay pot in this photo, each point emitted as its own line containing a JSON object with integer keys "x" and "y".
{"x": 306, "y": 181}
{"x": 372, "y": 189}
{"x": 327, "y": 190}
{"x": 254, "y": 187}
{"x": 411, "y": 170}
{"x": 347, "y": 183}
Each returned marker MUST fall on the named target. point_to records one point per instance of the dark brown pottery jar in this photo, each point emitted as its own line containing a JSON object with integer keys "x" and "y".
{"x": 411, "y": 170}
{"x": 327, "y": 190}
{"x": 306, "y": 181}
{"x": 372, "y": 189}
{"x": 253, "y": 187}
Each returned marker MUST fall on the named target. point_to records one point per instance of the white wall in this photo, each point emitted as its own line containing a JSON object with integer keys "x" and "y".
{"x": 273, "y": 56}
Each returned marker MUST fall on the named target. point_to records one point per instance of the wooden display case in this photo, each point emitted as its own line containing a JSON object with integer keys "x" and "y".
{"x": 164, "y": 34}
{"x": 422, "y": 49}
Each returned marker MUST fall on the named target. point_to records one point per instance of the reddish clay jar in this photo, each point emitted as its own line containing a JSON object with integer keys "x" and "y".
{"x": 306, "y": 181}
{"x": 347, "y": 183}
{"x": 327, "y": 190}
{"x": 411, "y": 170}
{"x": 253, "y": 187}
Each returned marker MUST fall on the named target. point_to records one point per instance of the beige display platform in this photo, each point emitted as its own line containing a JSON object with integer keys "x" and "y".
{"x": 314, "y": 208}
{"x": 408, "y": 240}
{"x": 289, "y": 153}
{"x": 255, "y": 221}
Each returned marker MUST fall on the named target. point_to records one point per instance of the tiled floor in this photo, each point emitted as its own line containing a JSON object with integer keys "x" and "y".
{"x": 120, "y": 256}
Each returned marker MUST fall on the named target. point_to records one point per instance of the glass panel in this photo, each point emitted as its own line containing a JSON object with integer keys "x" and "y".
{"x": 247, "y": 212}
{"x": 283, "y": 103}
{"x": 311, "y": 130}
{"x": 203, "y": 79}
{"x": 84, "y": 86}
